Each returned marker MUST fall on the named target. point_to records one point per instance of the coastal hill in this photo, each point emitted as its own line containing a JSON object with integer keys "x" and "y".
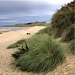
{"x": 28, "y": 24}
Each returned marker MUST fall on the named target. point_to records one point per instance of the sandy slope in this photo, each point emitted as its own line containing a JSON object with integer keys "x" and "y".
{"x": 8, "y": 38}
{"x": 6, "y": 68}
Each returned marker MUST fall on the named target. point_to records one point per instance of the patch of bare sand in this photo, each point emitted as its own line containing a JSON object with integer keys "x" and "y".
{"x": 6, "y": 68}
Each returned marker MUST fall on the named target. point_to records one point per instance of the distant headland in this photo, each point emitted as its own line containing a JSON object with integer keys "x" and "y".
{"x": 27, "y": 24}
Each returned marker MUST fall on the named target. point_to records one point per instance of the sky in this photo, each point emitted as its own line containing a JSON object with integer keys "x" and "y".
{"x": 25, "y": 11}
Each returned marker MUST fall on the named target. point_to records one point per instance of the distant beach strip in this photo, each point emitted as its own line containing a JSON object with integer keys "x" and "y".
{"x": 7, "y": 29}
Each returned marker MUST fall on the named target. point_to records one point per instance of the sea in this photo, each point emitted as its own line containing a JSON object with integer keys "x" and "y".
{"x": 12, "y": 28}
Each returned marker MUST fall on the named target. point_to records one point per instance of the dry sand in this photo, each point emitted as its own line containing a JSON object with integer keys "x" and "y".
{"x": 6, "y": 68}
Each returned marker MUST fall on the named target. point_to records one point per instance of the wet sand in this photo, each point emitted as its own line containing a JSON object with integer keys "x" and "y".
{"x": 4, "y": 30}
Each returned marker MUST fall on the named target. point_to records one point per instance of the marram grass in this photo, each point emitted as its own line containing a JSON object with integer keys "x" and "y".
{"x": 44, "y": 55}
{"x": 63, "y": 21}
{"x": 68, "y": 35}
{"x": 17, "y": 44}
{"x": 48, "y": 30}
{"x": 72, "y": 47}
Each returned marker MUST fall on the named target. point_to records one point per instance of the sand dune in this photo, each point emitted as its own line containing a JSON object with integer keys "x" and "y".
{"x": 6, "y": 67}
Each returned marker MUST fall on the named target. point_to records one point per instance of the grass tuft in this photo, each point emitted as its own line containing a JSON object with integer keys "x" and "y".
{"x": 44, "y": 55}
{"x": 17, "y": 44}
{"x": 72, "y": 47}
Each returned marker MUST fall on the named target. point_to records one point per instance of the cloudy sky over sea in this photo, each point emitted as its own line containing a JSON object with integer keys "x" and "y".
{"x": 24, "y": 11}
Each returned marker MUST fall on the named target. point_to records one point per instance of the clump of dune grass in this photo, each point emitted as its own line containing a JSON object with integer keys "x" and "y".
{"x": 48, "y": 30}
{"x": 13, "y": 46}
{"x": 64, "y": 17}
{"x": 68, "y": 35}
{"x": 17, "y": 44}
{"x": 72, "y": 47}
{"x": 44, "y": 54}
{"x": 63, "y": 20}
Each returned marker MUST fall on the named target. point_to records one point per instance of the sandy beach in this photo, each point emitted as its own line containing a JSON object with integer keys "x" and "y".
{"x": 6, "y": 67}
{"x": 9, "y": 38}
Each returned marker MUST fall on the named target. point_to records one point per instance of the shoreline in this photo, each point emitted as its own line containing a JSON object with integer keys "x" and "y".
{"x": 4, "y": 30}
{"x": 8, "y": 29}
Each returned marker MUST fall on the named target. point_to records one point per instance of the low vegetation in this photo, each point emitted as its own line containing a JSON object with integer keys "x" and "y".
{"x": 17, "y": 44}
{"x": 68, "y": 35}
{"x": 63, "y": 21}
{"x": 47, "y": 30}
{"x": 42, "y": 56}
{"x": 72, "y": 47}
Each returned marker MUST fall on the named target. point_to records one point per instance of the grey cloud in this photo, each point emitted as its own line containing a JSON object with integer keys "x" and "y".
{"x": 25, "y": 11}
{"x": 16, "y": 7}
